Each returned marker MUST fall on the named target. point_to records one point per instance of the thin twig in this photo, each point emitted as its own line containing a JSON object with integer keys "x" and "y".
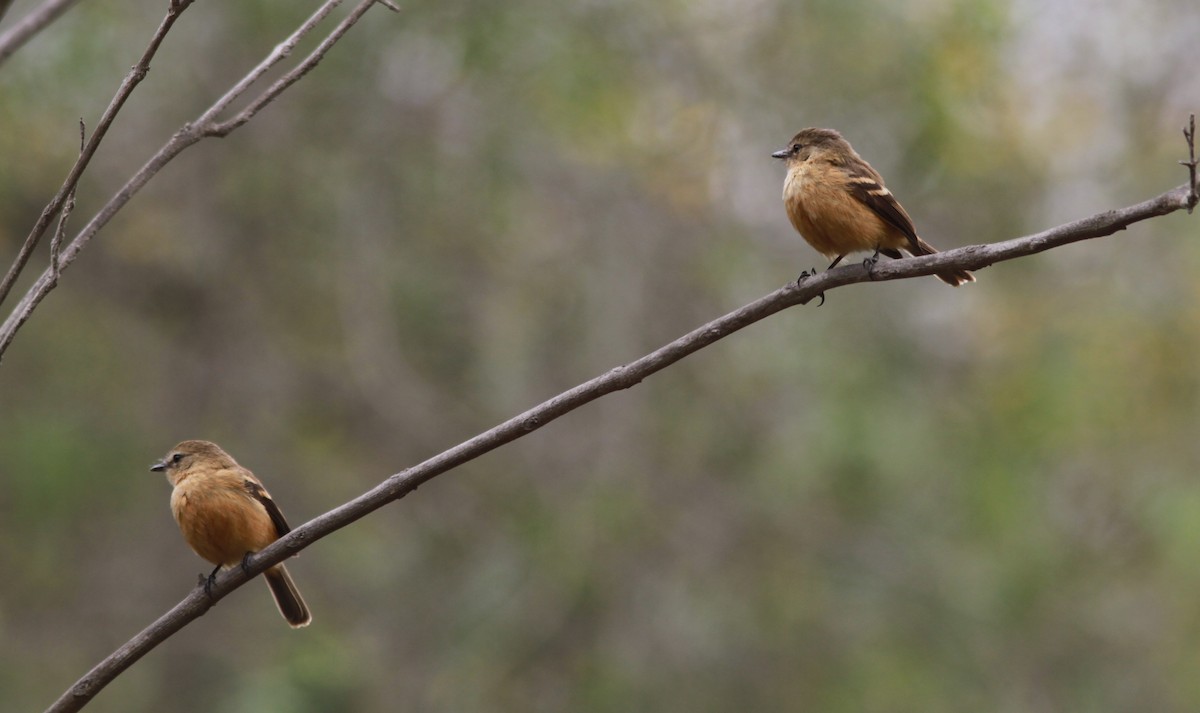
{"x": 189, "y": 134}
{"x": 619, "y": 378}
{"x": 57, "y": 241}
{"x": 1189, "y": 135}
{"x": 61, "y": 231}
{"x": 38, "y": 18}
{"x": 277, "y": 55}
{"x": 128, "y": 84}
{"x": 222, "y": 129}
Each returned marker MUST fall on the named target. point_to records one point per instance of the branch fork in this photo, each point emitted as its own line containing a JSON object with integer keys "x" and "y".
{"x": 205, "y": 125}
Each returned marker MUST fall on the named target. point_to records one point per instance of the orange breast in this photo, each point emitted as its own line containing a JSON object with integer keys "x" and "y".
{"x": 829, "y": 218}
{"x": 220, "y": 522}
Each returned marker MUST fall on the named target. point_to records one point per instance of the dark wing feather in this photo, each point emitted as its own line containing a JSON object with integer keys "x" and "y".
{"x": 866, "y": 185}
{"x": 257, "y": 492}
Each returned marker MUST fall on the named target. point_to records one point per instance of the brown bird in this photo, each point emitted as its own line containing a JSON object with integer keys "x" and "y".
{"x": 839, "y": 204}
{"x": 226, "y": 514}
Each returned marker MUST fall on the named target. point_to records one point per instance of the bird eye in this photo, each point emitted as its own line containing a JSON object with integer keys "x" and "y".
{"x": 177, "y": 457}
{"x": 797, "y": 147}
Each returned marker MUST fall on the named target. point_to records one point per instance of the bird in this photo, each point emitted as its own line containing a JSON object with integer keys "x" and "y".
{"x": 225, "y": 515}
{"x": 839, "y": 204}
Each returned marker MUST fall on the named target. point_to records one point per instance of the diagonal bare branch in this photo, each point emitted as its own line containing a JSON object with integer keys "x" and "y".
{"x": 277, "y": 55}
{"x": 223, "y": 128}
{"x": 136, "y": 74}
{"x": 191, "y": 133}
{"x": 397, "y": 486}
{"x": 22, "y": 30}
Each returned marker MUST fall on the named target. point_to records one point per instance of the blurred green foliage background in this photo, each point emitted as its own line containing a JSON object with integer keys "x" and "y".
{"x": 910, "y": 499}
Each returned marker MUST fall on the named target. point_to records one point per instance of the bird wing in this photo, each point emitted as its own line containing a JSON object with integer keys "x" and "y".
{"x": 866, "y": 185}
{"x": 259, "y": 493}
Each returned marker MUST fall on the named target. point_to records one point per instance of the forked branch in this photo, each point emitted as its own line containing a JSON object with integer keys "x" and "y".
{"x": 135, "y": 76}
{"x": 204, "y": 126}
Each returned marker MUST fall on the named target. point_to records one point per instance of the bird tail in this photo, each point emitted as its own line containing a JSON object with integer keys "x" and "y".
{"x": 954, "y": 278}
{"x": 287, "y": 597}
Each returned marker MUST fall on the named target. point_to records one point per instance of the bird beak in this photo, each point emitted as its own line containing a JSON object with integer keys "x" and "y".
{"x": 782, "y": 153}
{"x": 159, "y": 466}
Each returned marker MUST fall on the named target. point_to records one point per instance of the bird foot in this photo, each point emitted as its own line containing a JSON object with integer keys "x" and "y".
{"x": 207, "y": 583}
{"x": 804, "y": 276}
{"x": 869, "y": 263}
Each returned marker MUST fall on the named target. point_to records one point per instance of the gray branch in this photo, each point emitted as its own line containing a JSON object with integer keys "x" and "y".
{"x": 135, "y": 76}
{"x": 397, "y": 486}
{"x": 206, "y": 125}
{"x": 38, "y": 18}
